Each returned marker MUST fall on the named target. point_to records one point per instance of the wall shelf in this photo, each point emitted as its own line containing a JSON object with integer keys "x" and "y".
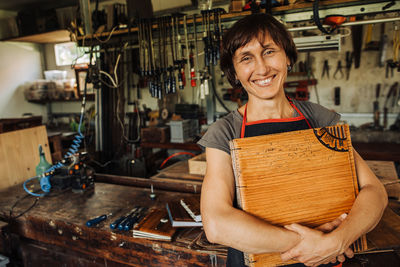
{"x": 45, "y": 101}
{"x": 59, "y": 36}
{"x": 288, "y": 13}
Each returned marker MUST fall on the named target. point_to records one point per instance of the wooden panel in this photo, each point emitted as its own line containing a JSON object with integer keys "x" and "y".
{"x": 19, "y": 154}
{"x": 306, "y": 177}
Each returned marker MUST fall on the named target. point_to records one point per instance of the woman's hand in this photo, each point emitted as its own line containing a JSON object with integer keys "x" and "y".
{"x": 316, "y": 247}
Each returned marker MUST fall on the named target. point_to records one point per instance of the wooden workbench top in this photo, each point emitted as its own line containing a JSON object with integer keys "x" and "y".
{"x": 59, "y": 219}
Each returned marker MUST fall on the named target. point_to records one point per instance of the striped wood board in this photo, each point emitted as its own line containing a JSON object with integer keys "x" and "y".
{"x": 306, "y": 177}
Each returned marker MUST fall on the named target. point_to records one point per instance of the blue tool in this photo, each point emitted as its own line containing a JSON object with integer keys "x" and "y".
{"x": 132, "y": 220}
{"x": 97, "y": 220}
{"x": 122, "y": 220}
{"x": 115, "y": 223}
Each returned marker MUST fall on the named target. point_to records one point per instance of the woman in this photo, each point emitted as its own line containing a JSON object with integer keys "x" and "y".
{"x": 257, "y": 54}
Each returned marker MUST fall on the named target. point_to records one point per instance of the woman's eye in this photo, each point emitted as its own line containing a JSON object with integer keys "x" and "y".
{"x": 268, "y": 52}
{"x": 245, "y": 59}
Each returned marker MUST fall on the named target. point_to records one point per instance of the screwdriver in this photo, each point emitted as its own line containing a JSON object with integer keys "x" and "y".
{"x": 122, "y": 224}
{"x": 97, "y": 220}
{"x": 118, "y": 221}
{"x": 132, "y": 220}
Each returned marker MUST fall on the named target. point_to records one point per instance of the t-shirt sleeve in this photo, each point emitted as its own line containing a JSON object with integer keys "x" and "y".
{"x": 318, "y": 115}
{"x": 218, "y": 135}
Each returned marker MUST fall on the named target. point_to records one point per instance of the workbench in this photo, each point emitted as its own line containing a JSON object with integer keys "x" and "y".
{"x": 54, "y": 230}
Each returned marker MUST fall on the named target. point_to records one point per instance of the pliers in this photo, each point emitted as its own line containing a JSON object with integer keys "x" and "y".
{"x": 325, "y": 69}
{"x": 338, "y": 70}
{"x": 349, "y": 62}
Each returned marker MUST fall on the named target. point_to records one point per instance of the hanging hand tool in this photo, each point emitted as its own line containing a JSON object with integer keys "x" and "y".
{"x": 187, "y": 45}
{"x": 197, "y": 52}
{"x": 338, "y": 70}
{"x": 370, "y": 45}
{"x": 393, "y": 63}
{"x": 97, "y": 220}
{"x": 391, "y": 93}
{"x": 349, "y": 63}
{"x": 205, "y": 37}
{"x": 141, "y": 52}
{"x": 376, "y": 106}
{"x": 337, "y": 96}
{"x": 357, "y": 33}
{"x": 383, "y": 46}
{"x": 325, "y": 69}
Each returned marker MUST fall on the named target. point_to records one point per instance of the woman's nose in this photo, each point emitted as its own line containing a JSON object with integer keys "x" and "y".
{"x": 261, "y": 66}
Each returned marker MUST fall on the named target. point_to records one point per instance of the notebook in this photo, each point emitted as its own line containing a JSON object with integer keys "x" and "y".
{"x": 179, "y": 216}
{"x": 155, "y": 225}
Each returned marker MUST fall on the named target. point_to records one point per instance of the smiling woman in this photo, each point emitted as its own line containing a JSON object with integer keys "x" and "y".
{"x": 257, "y": 53}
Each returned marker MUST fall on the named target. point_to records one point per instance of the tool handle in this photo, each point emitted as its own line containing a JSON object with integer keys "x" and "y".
{"x": 121, "y": 225}
{"x": 130, "y": 222}
{"x": 96, "y": 220}
{"x": 115, "y": 223}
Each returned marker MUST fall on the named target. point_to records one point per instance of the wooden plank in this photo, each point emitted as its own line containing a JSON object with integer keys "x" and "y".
{"x": 306, "y": 177}
{"x": 19, "y": 154}
{"x": 59, "y": 36}
{"x": 162, "y": 183}
{"x": 179, "y": 170}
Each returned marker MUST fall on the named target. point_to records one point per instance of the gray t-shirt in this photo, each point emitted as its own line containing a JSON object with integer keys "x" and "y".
{"x": 227, "y": 128}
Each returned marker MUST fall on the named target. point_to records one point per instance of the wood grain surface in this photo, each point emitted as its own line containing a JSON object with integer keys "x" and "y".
{"x": 306, "y": 177}
{"x": 19, "y": 154}
{"x": 59, "y": 219}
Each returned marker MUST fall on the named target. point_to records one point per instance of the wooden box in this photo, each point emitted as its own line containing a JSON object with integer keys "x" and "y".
{"x": 155, "y": 134}
{"x": 306, "y": 177}
{"x": 237, "y": 5}
{"x": 197, "y": 165}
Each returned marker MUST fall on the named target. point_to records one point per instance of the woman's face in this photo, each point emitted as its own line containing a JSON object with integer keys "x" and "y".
{"x": 261, "y": 68}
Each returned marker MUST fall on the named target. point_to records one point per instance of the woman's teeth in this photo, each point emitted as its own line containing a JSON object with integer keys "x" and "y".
{"x": 263, "y": 82}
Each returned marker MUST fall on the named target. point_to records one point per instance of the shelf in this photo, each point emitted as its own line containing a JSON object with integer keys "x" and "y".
{"x": 288, "y": 13}
{"x": 59, "y": 36}
{"x": 88, "y": 98}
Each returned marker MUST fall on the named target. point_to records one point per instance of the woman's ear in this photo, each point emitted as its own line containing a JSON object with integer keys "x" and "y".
{"x": 288, "y": 62}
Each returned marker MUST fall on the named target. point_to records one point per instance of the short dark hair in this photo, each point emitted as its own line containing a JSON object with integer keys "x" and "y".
{"x": 245, "y": 30}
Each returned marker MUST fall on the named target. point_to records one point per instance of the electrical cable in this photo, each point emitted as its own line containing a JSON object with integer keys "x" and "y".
{"x": 25, "y": 211}
{"x": 109, "y": 36}
{"x": 174, "y": 155}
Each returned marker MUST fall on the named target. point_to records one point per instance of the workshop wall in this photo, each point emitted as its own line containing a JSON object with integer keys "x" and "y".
{"x": 358, "y": 93}
{"x": 19, "y": 64}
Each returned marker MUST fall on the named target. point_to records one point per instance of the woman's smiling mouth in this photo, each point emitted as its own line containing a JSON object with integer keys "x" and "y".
{"x": 264, "y": 82}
